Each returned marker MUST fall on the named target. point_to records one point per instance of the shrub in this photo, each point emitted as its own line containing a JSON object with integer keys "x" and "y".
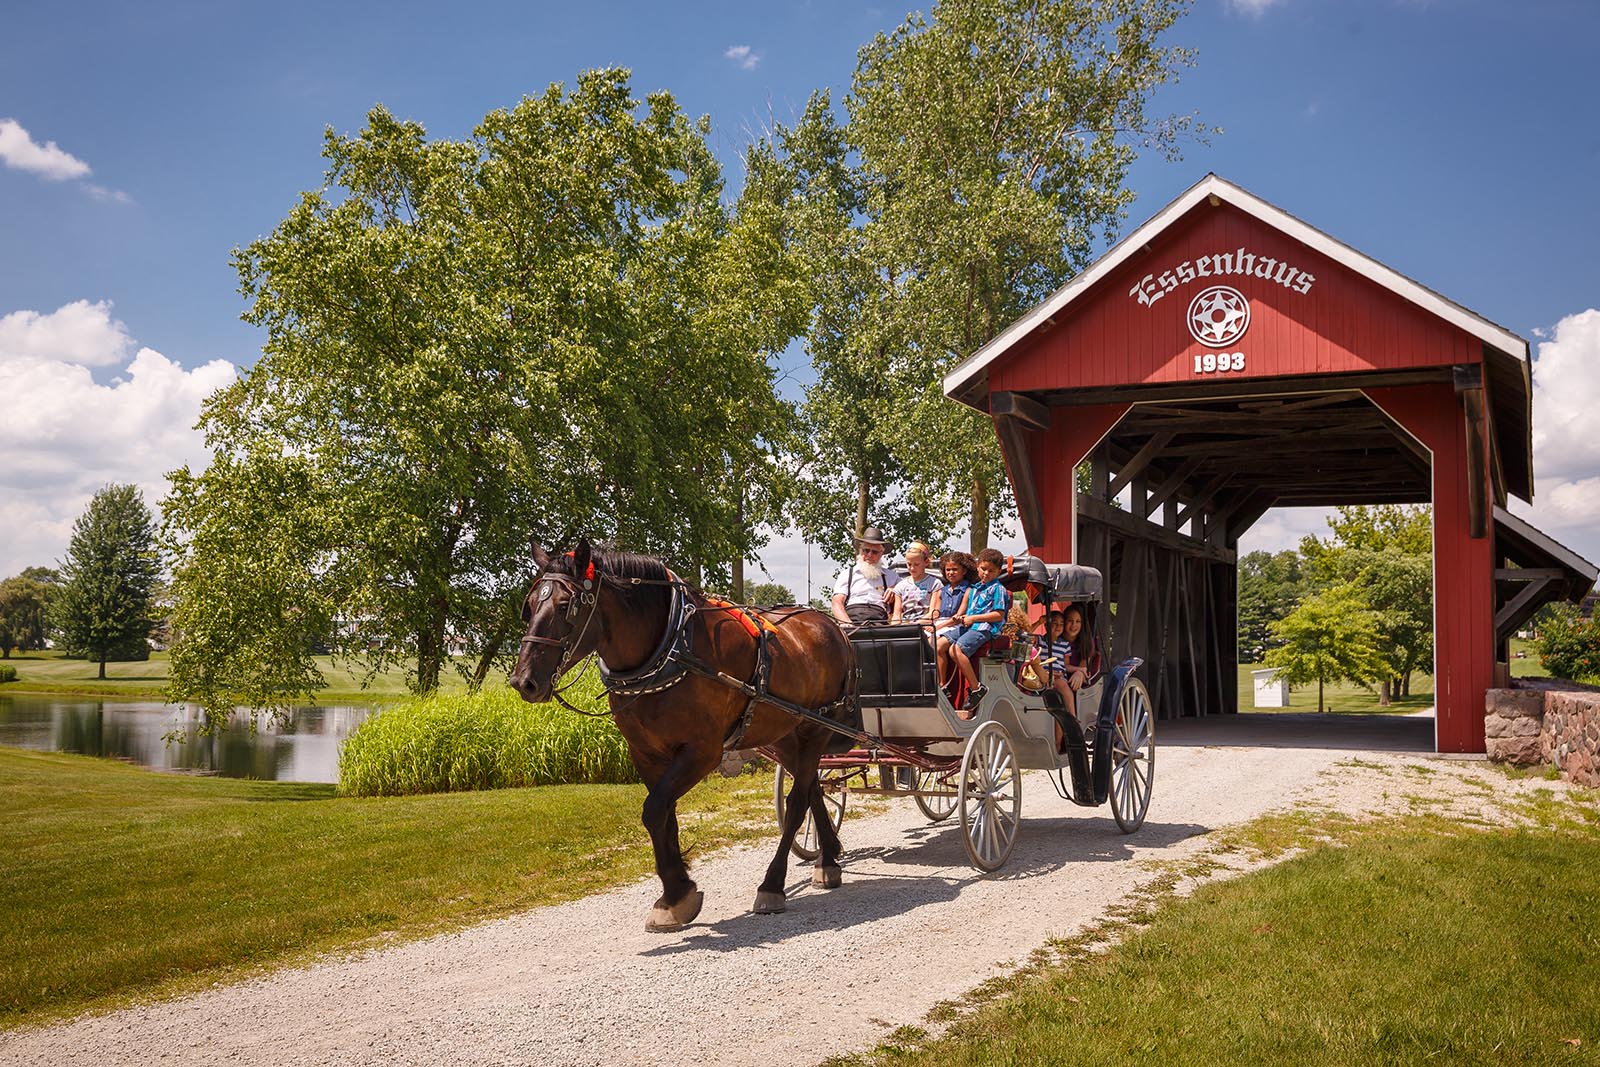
{"x": 488, "y": 740}
{"x": 8, "y": 673}
{"x": 1570, "y": 647}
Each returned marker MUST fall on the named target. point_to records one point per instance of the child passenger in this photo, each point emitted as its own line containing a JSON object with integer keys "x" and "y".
{"x": 914, "y": 592}
{"x": 1069, "y": 652}
{"x": 949, "y": 599}
{"x": 981, "y": 618}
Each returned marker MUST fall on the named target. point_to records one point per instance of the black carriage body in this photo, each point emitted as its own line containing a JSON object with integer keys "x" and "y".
{"x": 897, "y": 666}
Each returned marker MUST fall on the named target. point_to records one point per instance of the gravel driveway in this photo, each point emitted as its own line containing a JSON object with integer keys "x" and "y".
{"x": 583, "y": 983}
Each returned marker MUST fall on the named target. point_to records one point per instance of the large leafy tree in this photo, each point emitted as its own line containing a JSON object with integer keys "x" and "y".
{"x": 1387, "y": 552}
{"x": 109, "y": 578}
{"x": 24, "y": 613}
{"x": 984, "y": 155}
{"x": 1271, "y": 585}
{"x": 554, "y": 325}
{"x": 1332, "y": 636}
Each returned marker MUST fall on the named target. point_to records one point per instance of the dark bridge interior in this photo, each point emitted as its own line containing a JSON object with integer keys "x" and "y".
{"x": 1176, "y": 482}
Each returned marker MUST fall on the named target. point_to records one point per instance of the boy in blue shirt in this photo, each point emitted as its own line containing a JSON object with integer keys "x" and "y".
{"x": 985, "y": 613}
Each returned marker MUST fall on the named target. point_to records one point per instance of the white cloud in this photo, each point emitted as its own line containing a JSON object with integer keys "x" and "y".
{"x": 1566, "y": 446}
{"x": 79, "y": 332}
{"x": 1282, "y": 528}
{"x": 66, "y": 435}
{"x": 1254, "y": 8}
{"x": 101, "y": 193}
{"x": 19, "y": 151}
{"x": 1566, "y": 397}
{"x": 743, "y": 56}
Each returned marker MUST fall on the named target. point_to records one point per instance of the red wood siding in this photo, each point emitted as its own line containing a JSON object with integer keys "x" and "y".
{"x": 1463, "y": 566}
{"x": 1342, "y": 322}
{"x": 1056, "y": 453}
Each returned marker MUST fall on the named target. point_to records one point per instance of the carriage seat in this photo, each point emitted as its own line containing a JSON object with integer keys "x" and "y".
{"x": 897, "y": 665}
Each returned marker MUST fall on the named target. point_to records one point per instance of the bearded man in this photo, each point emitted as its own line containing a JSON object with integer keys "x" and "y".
{"x": 865, "y": 589}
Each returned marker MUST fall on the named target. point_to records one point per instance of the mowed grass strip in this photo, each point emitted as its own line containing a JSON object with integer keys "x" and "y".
{"x": 1414, "y": 944}
{"x": 119, "y": 882}
{"x": 51, "y": 672}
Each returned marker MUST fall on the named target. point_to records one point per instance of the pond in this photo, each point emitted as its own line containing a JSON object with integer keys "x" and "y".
{"x": 303, "y": 749}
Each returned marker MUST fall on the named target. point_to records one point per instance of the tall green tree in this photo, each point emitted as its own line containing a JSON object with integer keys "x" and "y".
{"x": 555, "y": 325}
{"x": 109, "y": 576}
{"x": 985, "y": 154}
{"x": 1332, "y": 636}
{"x": 1271, "y": 585}
{"x": 768, "y": 594}
{"x": 1387, "y": 551}
{"x": 1406, "y": 528}
{"x": 24, "y": 614}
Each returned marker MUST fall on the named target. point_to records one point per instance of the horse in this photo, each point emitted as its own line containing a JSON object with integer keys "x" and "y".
{"x": 687, "y": 678}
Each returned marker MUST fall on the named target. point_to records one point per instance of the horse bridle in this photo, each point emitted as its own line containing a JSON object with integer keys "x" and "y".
{"x": 581, "y": 596}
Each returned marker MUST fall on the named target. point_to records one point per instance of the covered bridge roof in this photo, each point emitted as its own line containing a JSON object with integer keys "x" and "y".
{"x": 1046, "y": 357}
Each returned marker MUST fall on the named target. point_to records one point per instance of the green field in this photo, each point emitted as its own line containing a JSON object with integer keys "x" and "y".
{"x": 119, "y": 882}
{"x": 1340, "y": 698}
{"x": 1346, "y": 699}
{"x": 1528, "y": 666}
{"x": 1410, "y": 945}
{"x": 51, "y": 672}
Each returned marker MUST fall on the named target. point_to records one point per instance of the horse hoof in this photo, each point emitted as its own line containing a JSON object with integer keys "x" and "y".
{"x": 826, "y": 877}
{"x": 769, "y": 903}
{"x": 665, "y": 918}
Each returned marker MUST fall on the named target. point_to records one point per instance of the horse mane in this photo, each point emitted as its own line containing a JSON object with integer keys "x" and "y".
{"x": 609, "y": 563}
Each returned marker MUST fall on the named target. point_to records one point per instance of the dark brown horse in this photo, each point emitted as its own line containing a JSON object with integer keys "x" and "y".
{"x": 663, "y": 646}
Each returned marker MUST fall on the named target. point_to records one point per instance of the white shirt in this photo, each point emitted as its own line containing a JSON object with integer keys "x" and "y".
{"x": 859, "y": 589}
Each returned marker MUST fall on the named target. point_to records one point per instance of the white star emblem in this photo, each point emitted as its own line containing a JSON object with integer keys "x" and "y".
{"x": 1219, "y": 316}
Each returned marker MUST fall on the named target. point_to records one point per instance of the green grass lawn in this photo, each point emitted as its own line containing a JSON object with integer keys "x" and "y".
{"x": 51, "y": 672}
{"x": 117, "y": 882}
{"x": 1347, "y": 699}
{"x": 1340, "y": 698}
{"x": 1528, "y": 666}
{"x": 1415, "y": 943}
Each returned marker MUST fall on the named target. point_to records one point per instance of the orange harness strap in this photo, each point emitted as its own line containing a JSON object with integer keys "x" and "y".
{"x": 753, "y": 624}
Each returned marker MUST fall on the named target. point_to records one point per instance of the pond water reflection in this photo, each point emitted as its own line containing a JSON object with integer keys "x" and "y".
{"x": 304, "y": 749}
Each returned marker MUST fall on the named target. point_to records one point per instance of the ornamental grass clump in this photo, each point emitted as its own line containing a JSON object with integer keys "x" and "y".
{"x": 487, "y": 740}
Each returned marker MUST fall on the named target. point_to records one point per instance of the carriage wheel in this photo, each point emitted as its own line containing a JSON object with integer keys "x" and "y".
{"x": 1133, "y": 757}
{"x": 806, "y": 845}
{"x": 990, "y": 797}
{"x": 939, "y": 806}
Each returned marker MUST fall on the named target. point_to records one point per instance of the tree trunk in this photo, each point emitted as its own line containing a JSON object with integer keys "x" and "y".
{"x": 862, "y": 490}
{"x": 427, "y": 662}
{"x": 430, "y": 647}
{"x": 1384, "y": 693}
{"x": 980, "y": 515}
{"x": 491, "y": 649}
{"x": 1319, "y": 695}
{"x": 1405, "y": 684}
{"x": 738, "y": 560}
{"x": 102, "y": 669}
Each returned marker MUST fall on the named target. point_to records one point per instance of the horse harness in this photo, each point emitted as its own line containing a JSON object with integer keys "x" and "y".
{"x": 674, "y": 658}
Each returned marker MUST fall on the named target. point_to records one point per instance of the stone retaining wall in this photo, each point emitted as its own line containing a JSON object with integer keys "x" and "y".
{"x": 1546, "y": 721}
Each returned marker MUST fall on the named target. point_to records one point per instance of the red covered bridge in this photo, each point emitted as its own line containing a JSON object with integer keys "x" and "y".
{"x": 1227, "y": 358}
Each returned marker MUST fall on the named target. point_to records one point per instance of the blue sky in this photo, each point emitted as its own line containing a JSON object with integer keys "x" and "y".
{"x": 1458, "y": 142}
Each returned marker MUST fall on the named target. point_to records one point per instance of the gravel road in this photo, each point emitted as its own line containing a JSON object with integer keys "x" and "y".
{"x": 583, "y": 983}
